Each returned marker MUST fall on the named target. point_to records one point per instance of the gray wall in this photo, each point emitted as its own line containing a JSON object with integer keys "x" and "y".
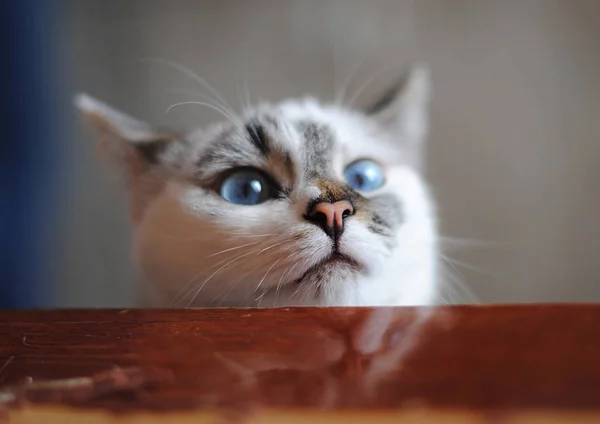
{"x": 514, "y": 153}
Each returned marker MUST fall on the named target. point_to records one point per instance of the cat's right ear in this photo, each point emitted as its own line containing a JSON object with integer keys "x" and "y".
{"x": 404, "y": 109}
{"x": 132, "y": 145}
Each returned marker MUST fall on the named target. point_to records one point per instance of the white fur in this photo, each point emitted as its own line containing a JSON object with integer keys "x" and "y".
{"x": 233, "y": 258}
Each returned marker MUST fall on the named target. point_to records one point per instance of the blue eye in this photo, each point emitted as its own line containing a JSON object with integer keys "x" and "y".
{"x": 364, "y": 175}
{"x": 245, "y": 187}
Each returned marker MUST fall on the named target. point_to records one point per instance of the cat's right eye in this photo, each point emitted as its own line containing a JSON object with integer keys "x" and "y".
{"x": 364, "y": 175}
{"x": 246, "y": 187}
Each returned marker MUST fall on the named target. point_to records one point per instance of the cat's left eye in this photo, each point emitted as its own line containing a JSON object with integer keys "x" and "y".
{"x": 364, "y": 175}
{"x": 246, "y": 187}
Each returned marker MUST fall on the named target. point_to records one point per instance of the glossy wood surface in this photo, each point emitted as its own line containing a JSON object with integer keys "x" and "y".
{"x": 476, "y": 362}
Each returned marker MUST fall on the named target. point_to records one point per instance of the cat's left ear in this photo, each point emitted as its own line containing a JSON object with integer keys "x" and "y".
{"x": 139, "y": 152}
{"x": 132, "y": 145}
{"x": 404, "y": 109}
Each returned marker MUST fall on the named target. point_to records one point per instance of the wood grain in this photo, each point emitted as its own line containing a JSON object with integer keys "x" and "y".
{"x": 504, "y": 364}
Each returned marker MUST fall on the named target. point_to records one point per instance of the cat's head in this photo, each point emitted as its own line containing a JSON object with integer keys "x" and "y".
{"x": 293, "y": 203}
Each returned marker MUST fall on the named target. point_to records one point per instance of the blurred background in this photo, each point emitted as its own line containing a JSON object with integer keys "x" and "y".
{"x": 514, "y": 150}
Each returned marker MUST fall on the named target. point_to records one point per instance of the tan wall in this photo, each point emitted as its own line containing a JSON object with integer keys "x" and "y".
{"x": 514, "y": 154}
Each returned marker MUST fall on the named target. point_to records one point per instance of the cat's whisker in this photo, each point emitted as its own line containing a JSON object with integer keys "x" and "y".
{"x": 246, "y": 88}
{"x": 288, "y": 272}
{"x": 272, "y": 246}
{"x": 458, "y": 241}
{"x": 266, "y": 290}
{"x": 237, "y": 283}
{"x": 188, "y": 288}
{"x": 244, "y": 100}
{"x": 228, "y": 261}
{"x": 214, "y": 104}
{"x": 447, "y": 291}
{"x": 458, "y": 279}
{"x": 211, "y": 106}
{"x": 467, "y": 266}
{"x": 239, "y": 94}
{"x": 365, "y": 85}
{"x": 195, "y": 93}
{"x": 263, "y": 279}
{"x": 227, "y": 258}
{"x": 256, "y": 251}
{"x": 185, "y": 290}
{"x": 215, "y": 273}
{"x": 340, "y": 96}
{"x": 266, "y": 273}
{"x": 203, "y": 237}
{"x": 181, "y": 293}
{"x": 233, "y": 248}
{"x": 279, "y": 283}
{"x": 301, "y": 287}
{"x": 441, "y": 300}
{"x": 195, "y": 77}
{"x": 177, "y": 300}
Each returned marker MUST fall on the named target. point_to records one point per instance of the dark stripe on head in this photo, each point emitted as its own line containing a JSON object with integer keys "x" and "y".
{"x": 318, "y": 148}
{"x": 258, "y": 137}
{"x": 225, "y": 153}
{"x": 253, "y": 145}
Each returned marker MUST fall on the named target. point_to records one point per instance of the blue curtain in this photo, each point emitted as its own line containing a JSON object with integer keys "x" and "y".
{"x": 29, "y": 153}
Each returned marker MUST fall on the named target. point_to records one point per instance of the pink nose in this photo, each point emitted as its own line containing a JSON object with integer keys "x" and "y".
{"x": 330, "y": 216}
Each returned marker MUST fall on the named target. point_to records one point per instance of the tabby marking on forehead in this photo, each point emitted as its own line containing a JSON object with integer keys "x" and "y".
{"x": 258, "y": 137}
{"x": 318, "y": 148}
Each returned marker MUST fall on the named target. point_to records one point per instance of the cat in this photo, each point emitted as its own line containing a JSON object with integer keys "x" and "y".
{"x": 298, "y": 203}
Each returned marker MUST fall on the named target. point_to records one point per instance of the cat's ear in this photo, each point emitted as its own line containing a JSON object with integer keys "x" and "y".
{"x": 139, "y": 151}
{"x": 133, "y": 145}
{"x": 404, "y": 109}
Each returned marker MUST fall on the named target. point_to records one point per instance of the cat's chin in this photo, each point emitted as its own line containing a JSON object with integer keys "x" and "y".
{"x": 336, "y": 262}
{"x": 320, "y": 285}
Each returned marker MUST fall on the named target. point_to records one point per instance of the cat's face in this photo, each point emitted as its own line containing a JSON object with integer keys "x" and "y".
{"x": 289, "y": 204}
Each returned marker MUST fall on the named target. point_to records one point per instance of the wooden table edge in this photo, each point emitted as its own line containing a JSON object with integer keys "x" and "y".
{"x": 52, "y": 414}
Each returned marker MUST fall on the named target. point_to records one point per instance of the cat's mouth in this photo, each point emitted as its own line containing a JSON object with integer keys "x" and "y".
{"x": 334, "y": 260}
